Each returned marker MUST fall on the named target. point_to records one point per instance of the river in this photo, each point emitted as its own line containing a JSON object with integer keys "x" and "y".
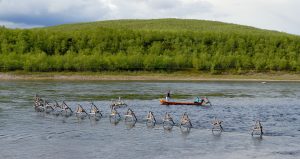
{"x": 27, "y": 134}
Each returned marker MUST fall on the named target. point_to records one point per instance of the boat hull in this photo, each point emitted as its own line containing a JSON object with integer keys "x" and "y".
{"x": 164, "y": 102}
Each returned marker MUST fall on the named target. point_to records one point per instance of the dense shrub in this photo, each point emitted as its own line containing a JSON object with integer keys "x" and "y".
{"x": 148, "y": 45}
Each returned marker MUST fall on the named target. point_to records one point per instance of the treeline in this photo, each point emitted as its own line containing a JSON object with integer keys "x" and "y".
{"x": 113, "y": 49}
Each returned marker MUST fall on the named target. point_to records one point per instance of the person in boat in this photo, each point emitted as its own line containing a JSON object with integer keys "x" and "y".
{"x": 198, "y": 100}
{"x": 204, "y": 99}
{"x": 168, "y": 97}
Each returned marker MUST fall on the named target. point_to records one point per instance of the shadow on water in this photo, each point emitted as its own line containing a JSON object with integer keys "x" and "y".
{"x": 130, "y": 124}
{"x": 257, "y": 140}
{"x": 216, "y": 134}
{"x": 114, "y": 121}
{"x": 185, "y": 131}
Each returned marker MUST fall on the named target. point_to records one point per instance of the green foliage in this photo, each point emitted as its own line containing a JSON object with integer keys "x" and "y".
{"x": 137, "y": 45}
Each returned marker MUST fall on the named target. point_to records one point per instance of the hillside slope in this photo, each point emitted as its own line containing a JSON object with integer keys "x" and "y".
{"x": 151, "y": 45}
{"x": 165, "y": 25}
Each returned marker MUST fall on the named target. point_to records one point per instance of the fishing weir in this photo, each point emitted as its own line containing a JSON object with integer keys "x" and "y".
{"x": 95, "y": 113}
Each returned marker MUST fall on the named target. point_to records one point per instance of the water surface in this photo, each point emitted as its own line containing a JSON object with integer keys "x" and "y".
{"x": 28, "y": 134}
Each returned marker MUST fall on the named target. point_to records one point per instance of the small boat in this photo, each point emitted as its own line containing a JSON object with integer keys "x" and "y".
{"x": 164, "y": 102}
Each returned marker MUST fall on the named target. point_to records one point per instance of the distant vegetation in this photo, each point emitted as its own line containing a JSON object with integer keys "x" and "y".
{"x": 149, "y": 45}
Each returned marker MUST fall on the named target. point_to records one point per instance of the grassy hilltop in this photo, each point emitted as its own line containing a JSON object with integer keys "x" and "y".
{"x": 168, "y": 25}
{"x": 149, "y": 45}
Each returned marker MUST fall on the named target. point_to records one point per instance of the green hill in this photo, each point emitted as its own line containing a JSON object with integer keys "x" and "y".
{"x": 174, "y": 25}
{"x": 151, "y": 45}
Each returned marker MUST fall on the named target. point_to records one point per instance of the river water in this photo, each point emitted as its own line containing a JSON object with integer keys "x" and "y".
{"x": 27, "y": 134}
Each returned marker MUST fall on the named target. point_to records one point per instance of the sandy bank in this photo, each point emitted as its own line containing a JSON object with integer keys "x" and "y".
{"x": 144, "y": 76}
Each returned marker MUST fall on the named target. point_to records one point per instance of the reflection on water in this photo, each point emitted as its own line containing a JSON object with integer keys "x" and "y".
{"x": 28, "y": 134}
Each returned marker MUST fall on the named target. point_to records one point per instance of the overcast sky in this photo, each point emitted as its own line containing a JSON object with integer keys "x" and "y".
{"x": 280, "y": 15}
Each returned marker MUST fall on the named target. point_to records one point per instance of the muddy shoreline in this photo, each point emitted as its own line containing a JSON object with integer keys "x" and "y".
{"x": 146, "y": 77}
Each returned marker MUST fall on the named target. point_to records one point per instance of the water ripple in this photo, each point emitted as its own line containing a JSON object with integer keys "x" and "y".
{"x": 27, "y": 134}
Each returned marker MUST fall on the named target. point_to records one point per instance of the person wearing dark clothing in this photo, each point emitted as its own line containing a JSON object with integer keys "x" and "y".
{"x": 168, "y": 96}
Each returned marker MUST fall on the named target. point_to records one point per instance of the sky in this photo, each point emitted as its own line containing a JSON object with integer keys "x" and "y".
{"x": 280, "y": 15}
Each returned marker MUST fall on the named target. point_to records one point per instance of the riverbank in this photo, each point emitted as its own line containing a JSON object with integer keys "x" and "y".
{"x": 147, "y": 76}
